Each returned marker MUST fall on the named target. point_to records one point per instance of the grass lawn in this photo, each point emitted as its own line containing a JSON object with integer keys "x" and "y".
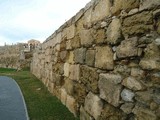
{"x": 40, "y": 103}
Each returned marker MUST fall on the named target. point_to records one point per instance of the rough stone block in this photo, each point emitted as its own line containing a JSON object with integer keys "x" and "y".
{"x": 71, "y": 31}
{"x": 74, "y": 72}
{"x": 100, "y": 36}
{"x": 149, "y": 4}
{"x": 71, "y": 105}
{"x": 79, "y": 55}
{"x": 144, "y": 113}
{"x": 86, "y": 37}
{"x": 127, "y": 95}
{"x": 75, "y": 42}
{"x": 68, "y": 45}
{"x": 63, "y": 96}
{"x": 104, "y": 58}
{"x": 127, "y": 107}
{"x": 90, "y": 57}
{"x": 151, "y": 59}
{"x": 132, "y": 83}
{"x": 63, "y": 55}
{"x": 110, "y": 88}
{"x": 127, "y": 48}
{"x": 89, "y": 77}
{"x": 66, "y": 69}
{"x": 69, "y": 84}
{"x": 137, "y": 24}
{"x": 126, "y": 5}
{"x": 101, "y": 10}
{"x": 71, "y": 57}
{"x": 93, "y": 105}
{"x": 114, "y": 31}
{"x": 84, "y": 115}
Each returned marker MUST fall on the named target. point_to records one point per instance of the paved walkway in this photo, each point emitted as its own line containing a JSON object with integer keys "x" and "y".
{"x": 12, "y": 105}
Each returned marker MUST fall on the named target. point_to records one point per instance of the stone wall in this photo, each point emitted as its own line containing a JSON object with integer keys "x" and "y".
{"x": 104, "y": 63}
{"x": 9, "y": 55}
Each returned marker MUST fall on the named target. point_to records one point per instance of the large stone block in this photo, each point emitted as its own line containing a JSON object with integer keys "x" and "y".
{"x": 93, "y": 105}
{"x": 71, "y": 31}
{"x": 86, "y": 37}
{"x": 89, "y": 77}
{"x": 71, "y": 57}
{"x": 144, "y": 113}
{"x": 66, "y": 69}
{"x": 114, "y": 31}
{"x": 101, "y": 10}
{"x": 75, "y": 42}
{"x": 151, "y": 58}
{"x": 132, "y": 83}
{"x": 71, "y": 105}
{"x": 104, "y": 58}
{"x": 127, "y": 48}
{"x": 110, "y": 88}
{"x": 84, "y": 115}
{"x": 74, "y": 72}
{"x": 126, "y": 5}
{"x": 79, "y": 55}
{"x": 90, "y": 57}
{"x": 149, "y": 4}
{"x": 137, "y": 24}
{"x": 100, "y": 36}
{"x": 63, "y": 96}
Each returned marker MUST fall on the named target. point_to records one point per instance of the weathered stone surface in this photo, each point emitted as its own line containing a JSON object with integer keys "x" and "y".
{"x": 84, "y": 115}
{"x": 155, "y": 77}
{"x": 112, "y": 113}
{"x": 114, "y": 32}
{"x": 71, "y": 32}
{"x": 127, "y": 107}
{"x": 101, "y": 10}
{"x": 86, "y": 37}
{"x": 144, "y": 114}
{"x": 144, "y": 97}
{"x": 75, "y": 42}
{"x": 157, "y": 41}
{"x": 63, "y": 96}
{"x": 151, "y": 58}
{"x": 109, "y": 88}
{"x": 148, "y": 4}
{"x": 104, "y": 58}
{"x": 57, "y": 79}
{"x": 89, "y": 77}
{"x": 137, "y": 24}
{"x": 100, "y": 36}
{"x": 71, "y": 104}
{"x": 133, "y": 11}
{"x": 128, "y": 48}
{"x": 80, "y": 92}
{"x": 74, "y": 72}
{"x": 137, "y": 72}
{"x": 93, "y": 105}
{"x": 69, "y": 86}
{"x": 127, "y": 95}
{"x": 63, "y": 55}
{"x": 122, "y": 69}
{"x": 66, "y": 69}
{"x": 68, "y": 45}
{"x": 132, "y": 83}
{"x": 127, "y": 5}
{"x": 71, "y": 57}
{"x": 90, "y": 57}
{"x": 79, "y": 55}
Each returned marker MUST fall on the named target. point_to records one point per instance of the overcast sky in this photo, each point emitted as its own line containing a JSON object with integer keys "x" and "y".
{"x": 22, "y": 20}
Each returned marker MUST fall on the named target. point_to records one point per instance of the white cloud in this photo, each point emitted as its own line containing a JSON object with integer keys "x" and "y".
{"x": 35, "y": 19}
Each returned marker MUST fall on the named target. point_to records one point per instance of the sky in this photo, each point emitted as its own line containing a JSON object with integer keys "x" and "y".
{"x": 22, "y": 20}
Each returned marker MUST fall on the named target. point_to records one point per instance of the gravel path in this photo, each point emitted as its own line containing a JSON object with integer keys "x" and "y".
{"x": 12, "y": 105}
